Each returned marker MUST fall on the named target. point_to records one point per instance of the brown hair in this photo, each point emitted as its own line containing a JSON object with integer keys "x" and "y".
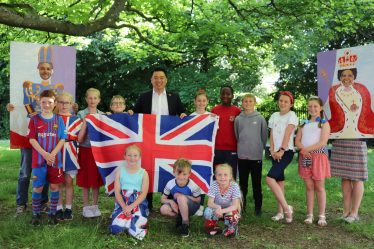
{"x": 202, "y": 92}
{"x": 181, "y": 165}
{"x": 321, "y": 116}
{"x": 50, "y": 63}
{"x": 48, "y": 93}
{"x": 133, "y": 147}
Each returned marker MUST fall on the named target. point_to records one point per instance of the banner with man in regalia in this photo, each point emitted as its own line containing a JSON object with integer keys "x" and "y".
{"x": 33, "y": 69}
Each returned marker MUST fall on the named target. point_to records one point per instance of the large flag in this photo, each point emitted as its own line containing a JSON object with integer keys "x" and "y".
{"x": 162, "y": 140}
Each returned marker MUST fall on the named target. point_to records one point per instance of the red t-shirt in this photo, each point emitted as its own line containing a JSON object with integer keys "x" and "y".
{"x": 225, "y": 139}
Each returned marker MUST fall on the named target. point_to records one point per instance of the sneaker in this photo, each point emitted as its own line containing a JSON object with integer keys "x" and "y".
{"x": 231, "y": 235}
{"x": 35, "y": 221}
{"x": 52, "y": 221}
{"x": 68, "y": 214}
{"x": 200, "y": 211}
{"x": 95, "y": 209}
{"x": 20, "y": 210}
{"x": 60, "y": 215}
{"x": 258, "y": 213}
{"x": 44, "y": 208}
{"x": 185, "y": 231}
{"x": 87, "y": 212}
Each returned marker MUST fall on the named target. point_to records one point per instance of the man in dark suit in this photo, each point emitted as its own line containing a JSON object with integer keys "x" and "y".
{"x": 159, "y": 101}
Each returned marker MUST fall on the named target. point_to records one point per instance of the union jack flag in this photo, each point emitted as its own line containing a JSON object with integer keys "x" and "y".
{"x": 162, "y": 140}
{"x": 73, "y": 125}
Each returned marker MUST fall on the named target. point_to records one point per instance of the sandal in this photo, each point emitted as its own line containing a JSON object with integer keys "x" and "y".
{"x": 343, "y": 217}
{"x": 290, "y": 211}
{"x": 355, "y": 219}
{"x": 323, "y": 222}
{"x": 277, "y": 217}
{"x": 309, "y": 220}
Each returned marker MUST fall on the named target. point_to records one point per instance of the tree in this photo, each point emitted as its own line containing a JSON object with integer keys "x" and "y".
{"x": 300, "y": 78}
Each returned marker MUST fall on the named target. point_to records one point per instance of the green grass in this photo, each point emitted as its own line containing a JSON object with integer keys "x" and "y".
{"x": 253, "y": 232}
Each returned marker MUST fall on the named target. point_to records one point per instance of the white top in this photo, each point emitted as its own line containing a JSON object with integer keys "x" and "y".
{"x": 224, "y": 200}
{"x": 160, "y": 103}
{"x": 279, "y": 124}
{"x": 195, "y": 114}
{"x": 311, "y": 134}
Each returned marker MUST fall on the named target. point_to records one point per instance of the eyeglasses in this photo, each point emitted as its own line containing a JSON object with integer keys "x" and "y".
{"x": 63, "y": 103}
{"x": 117, "y": 103}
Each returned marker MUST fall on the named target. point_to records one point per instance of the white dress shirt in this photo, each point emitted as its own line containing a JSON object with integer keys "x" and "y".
{"x": 160, "y": 103}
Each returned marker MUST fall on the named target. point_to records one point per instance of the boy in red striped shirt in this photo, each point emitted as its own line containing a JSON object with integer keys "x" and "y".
{"x": 47, "y": 135}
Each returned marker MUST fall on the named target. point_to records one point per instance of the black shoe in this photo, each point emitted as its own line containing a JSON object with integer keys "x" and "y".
{"x": 35, "y": 221}
{"x": 52, "y": 221}
{"x": 258, "y": 213}
{"x": 231, "y": 235}
{"x": 60, "y": 215}
{"x": 44, "y": 208}
{"x": 68, "y": 214}
{"x": 185, "y": 231}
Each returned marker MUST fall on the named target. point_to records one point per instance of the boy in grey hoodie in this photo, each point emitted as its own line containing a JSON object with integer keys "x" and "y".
{"x": 251, "y": 133}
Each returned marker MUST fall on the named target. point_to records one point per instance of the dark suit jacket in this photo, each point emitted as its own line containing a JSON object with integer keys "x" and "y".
{"x": 144, "y": 103}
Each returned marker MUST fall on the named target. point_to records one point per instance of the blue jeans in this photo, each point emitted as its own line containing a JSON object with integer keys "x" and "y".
{"x": 24, "y": 180}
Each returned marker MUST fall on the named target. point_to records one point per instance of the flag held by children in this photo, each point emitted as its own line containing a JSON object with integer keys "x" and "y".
{"x": 162, "y": 140}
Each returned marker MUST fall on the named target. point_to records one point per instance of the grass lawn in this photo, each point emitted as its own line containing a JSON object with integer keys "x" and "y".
{"x": 253, "y": 232}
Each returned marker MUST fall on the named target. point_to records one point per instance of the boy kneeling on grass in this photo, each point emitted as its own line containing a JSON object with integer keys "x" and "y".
{"x": 47, "y": 135}
{"x": 181, "y": 197}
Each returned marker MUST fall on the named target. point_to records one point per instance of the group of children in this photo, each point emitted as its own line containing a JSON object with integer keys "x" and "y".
{"x": 240, "y": 141}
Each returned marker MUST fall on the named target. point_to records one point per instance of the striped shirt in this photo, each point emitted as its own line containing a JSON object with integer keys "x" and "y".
{"x": 190, "y": 189}
{"x": 224, "y": 200}
{"x": 48, "y": 132}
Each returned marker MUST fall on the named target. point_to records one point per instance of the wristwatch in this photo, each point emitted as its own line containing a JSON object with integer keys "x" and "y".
{"x": 283, "y": 149}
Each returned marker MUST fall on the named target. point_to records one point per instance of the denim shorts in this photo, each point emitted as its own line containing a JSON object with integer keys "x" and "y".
{"x": 192, "y": 206}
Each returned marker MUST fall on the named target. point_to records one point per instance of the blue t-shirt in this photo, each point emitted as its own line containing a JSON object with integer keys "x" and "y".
{"x": 190, "y": 189}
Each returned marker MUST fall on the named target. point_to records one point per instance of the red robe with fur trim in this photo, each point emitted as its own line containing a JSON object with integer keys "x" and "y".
{"x": 365, "y": 121}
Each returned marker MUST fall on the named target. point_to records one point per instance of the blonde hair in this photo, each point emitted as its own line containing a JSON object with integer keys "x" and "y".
{"x": 227, "y": 166}
{"x": 249, "y": 95}
{"x": 181, "y": 165}
{"x": 133, "y": 147}
{"x": 93, "y": 90}
{"x": 62, "y": 94}
{"x": 321, "y": 116}
{"x": 117, "y": 97}
{"x": 65, "y": 94}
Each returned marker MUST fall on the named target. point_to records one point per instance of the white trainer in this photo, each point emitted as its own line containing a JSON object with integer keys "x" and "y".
{"x": 200, "y": 211}
{"x": 88, "y": 213}
{"x": 96, "y": 211}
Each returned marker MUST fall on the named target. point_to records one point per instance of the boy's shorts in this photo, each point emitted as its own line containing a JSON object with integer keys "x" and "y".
{"x": 192, "y": 206}
{"x": 72, "y": 173}
{"x": 47, "y": 174}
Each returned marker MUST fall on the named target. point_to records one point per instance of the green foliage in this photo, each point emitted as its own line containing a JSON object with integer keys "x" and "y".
{"x": 100, "y": 66}
{"x": 4, "y": 99}
{"x": 300, "y": 76}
